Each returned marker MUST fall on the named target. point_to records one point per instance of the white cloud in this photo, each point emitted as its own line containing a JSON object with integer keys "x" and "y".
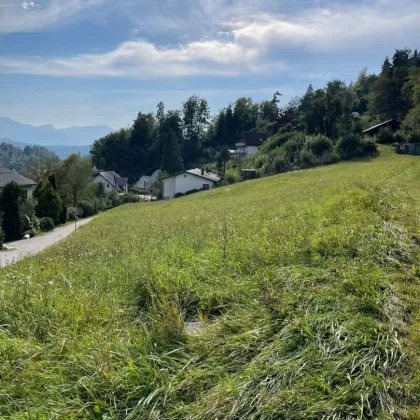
{"x": 345, "y": 28}
{"x": 140, "y": 59}
{"x": 30, "y": 16}
{"x": 240, "y": 45}
{"x": 30, "y": 5}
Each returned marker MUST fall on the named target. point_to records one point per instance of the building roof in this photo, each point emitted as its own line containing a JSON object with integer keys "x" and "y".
{"x": 197, "y": 172}
{"x": 149, "y": 180}
{"x": 6, "y": 176}
{"x": 375, "y": 127}
{"x": 114, "y": 179}
{"x": 254, "y": 138}
{"x": 122, "y": 182}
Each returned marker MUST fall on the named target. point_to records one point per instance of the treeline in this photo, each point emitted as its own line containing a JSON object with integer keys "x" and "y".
{"x": 174, "y": 139}
{"x": 171, "y": 140}
{"x": 17, "y": 159}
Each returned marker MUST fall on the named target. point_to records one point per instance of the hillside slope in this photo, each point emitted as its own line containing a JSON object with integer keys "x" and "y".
{"x": 307, "y": 284}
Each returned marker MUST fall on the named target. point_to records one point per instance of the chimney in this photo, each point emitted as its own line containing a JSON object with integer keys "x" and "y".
{"x": 202, "y": 171}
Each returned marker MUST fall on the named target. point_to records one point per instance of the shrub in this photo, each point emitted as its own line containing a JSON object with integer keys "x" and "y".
{"x": 192, "y": 191}
{"x": 319, "y": 145}
{"x": 385, "y": 136}
{"x": 129, "y": 198}
{"x": 63, "y": 214}
{"x": 349, "y": 146}
{"x": 231, "y": 176}
{"x": 72, "y": 214}
{"x": 10, "y": 199}
{"x": 276, "y": 141}
{"x": 27, "y": 214}
{"x": 105, "y": 204}
{"x": 413, "y": 137}
{"x": 36, "y": 224}
{"x": 46, "y": 224}
{"x": 369, "y": 147}
{"x": 177, "y": 195}
{"x": 114, "y": 199}
{"x": 400, "y": 137}
{"x": 49, "y": 203}
{"x": 86, "y": 208}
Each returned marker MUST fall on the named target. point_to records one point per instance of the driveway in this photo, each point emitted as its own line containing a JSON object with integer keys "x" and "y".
{"x": 25, "y": 248}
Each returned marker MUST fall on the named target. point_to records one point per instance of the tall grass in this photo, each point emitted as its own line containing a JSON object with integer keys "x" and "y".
{"x": 307, "y": 284}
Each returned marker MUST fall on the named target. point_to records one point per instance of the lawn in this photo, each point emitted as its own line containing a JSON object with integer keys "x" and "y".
{"x": 308, "y": 284}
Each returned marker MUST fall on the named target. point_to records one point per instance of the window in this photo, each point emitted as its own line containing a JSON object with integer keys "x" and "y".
{"x": 185, "y": 175}
{"x": 206, "y": 186}
{"x": 107, "y": 185}
{"x": 26, "y": 193}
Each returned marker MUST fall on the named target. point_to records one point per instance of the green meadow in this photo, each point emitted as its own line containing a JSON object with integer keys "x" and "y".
{"x": 307, "y": 286}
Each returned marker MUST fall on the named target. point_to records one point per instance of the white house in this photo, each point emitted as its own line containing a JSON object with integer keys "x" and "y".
{"x": 146, "y": 182}
{"x": 7, "y": 176}
{"x": 111, "y": 181}
{"x": 192, "y": 179}
{"x": 248, "y": 144}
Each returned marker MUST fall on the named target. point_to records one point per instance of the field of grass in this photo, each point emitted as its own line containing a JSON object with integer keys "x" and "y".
{"x": 308, "y": 285}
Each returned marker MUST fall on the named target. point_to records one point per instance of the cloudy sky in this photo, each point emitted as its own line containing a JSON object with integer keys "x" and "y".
{"x": 88, "y": 62}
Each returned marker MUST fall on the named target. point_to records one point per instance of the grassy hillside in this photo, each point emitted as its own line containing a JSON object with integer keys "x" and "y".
{"x": 308, "y": 284}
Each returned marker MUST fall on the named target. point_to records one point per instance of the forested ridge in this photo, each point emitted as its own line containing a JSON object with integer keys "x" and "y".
{"x": 190, "y": 136}
{"x": 16, "y": 158}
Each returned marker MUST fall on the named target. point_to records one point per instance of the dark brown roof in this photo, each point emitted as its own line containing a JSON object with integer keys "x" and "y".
{"x": 393, "y": 124}
{"x": 253, "y": 138}
{"x": 6, "y": 176}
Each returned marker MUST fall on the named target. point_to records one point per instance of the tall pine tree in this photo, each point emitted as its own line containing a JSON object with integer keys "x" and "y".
{"x": 172, "y": 160}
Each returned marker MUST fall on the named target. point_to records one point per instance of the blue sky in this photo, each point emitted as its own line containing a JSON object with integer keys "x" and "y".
{"x": 90, "y": 62}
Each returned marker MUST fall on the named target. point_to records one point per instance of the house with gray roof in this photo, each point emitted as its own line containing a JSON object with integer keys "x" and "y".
{"x": 146, "y": 182}
{"x": 111, "y": 181}
{"x": 7, "y": 176}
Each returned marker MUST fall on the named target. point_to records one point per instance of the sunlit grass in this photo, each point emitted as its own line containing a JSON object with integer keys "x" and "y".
{"x": 307, "y": 282}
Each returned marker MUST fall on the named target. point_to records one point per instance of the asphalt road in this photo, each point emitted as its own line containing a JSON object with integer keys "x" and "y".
{"x": 29, "y": 247}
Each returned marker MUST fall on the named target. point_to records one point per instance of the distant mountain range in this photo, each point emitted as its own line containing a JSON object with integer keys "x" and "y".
{"x": 61, "y": 151}
{"x": 63, "y": 141}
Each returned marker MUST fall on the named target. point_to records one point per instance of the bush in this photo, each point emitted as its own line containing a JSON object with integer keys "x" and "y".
{"x": 276, "y": 141}
{"x": 36, "y": 224}
{"x": 72, "y": 214}
{"x": 27, "y": 213}
{"x": 319, "y": 145}
{"x": 369, "y": 147}
{"x": 63, "y": 214}
{"x": 231, "y": 176}
{"x": 129, "y": 198}
{"x": 114, "y": 199}
{"x": 349, "y": 146}
{"x": 192, "y": 191}
{"x": 46, "y": 224}
{"x": 177, "y": 195}
{"x": 385, "y": 136}
{"x": 49, "y": 203}
{"x": 87, "y": 208}
{"x": 400, "y": 137}
{"x": 10, "y": 199}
